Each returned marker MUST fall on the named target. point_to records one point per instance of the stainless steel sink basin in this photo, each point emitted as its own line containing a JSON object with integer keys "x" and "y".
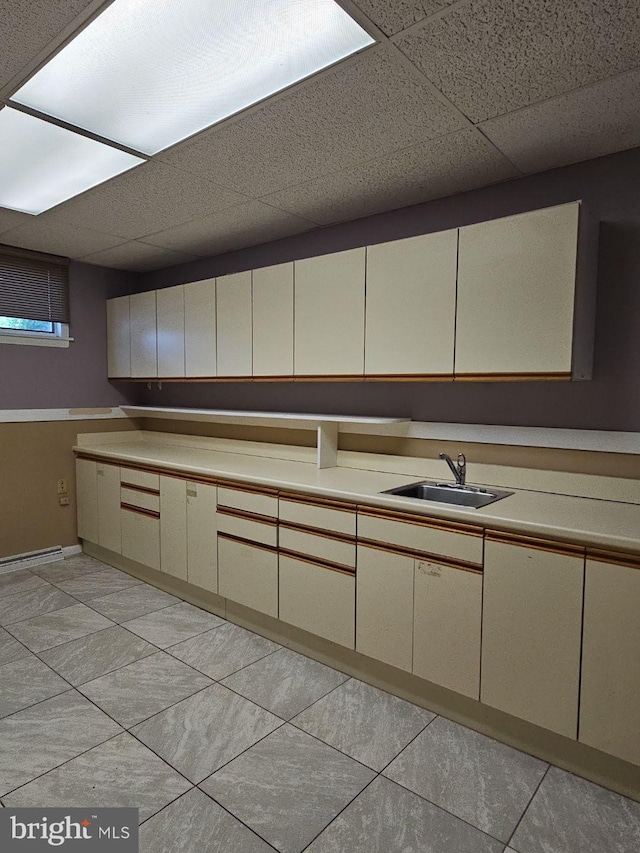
{"x": 470, "y": 496}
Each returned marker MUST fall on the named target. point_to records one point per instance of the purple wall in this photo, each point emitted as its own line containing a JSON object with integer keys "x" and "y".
{"x": 610, "y": 186}
{"x": 56, "y": 378}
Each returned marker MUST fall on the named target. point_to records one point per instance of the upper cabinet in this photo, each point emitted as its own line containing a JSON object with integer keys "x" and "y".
{"x": 526, "y": 296}
{"x": 200, "y": 328}
{"x": 329, "y": 314}
{"x": 144, "y": 356}
{"x": 272, "y": 289}
{"x": 411, "y": 306}
{"x": 234, "y": 324}
{"x": 170, "y": 309}
{"x": 118, "y": 338}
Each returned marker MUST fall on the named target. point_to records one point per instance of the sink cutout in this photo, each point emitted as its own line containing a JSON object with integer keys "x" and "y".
{"x": 468, "y": 496}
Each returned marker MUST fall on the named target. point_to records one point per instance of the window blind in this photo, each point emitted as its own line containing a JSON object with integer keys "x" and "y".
{"x": 33, "y": 286}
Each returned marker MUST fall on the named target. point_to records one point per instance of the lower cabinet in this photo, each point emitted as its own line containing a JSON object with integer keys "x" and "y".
{"x": 318, "y": 599}
{"x": 173, "y": 526}
{"x": 87, "y": 499}
{"x": 202, "y": 538}
{"x": 141, "y": 537}
{"x": 248, "y": 574}
{"x": 109, "y": 530}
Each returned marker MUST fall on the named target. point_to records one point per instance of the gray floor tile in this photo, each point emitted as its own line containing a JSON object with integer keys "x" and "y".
{"x": 98, "y": 584}
{"x": 285, "y": 682}
{"x": 35, "y": 602}
{"x": 42, "y": 737}
{"x": 72, "y": 567}
{"x": 388, "y": 819}
{"x": 472, "y": 776}
{"x": 288, "y": 787}
{"x": 25, "y": 682}
{"x": 572, "y": 815}
{"x": 11, "y": 583}
{"x": 119, "y": 773}
{"x": 195, "y": 824}
{"x": 61, "y": 626}
{"x": 203, "y": 732}
{"x": 143, "y": 688}
{"x": 97, "y": 654}
{"x": 224, "y": 650}
{"x": 11, "y": 649}
{"x": 366, "y": 723}
{"x": 130, "y": 603}
{"x": 173, "y": 624}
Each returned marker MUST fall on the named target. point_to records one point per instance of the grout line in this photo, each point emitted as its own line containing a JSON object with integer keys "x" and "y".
{"x": 526, "y": 808}
{"x": 236, "y": 818}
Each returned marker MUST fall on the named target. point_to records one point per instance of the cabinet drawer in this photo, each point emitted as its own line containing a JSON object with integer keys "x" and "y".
{"x": 323, "y": 517}
{"x": 420, "y": 536}
{"x": 318, "y": 599}
{"x": 141, "y": 538}
{"x": 248, "y": 501}
{"x": 143, "y": 500}
{"x": 247, "y": 528}
{"x": 248, "y": 574}
{"x": 318, "y": 545}
{"x": 140, "y": 478}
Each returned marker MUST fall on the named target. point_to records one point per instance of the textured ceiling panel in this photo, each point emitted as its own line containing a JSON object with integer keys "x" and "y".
{"x": 47, "y": 234}
{"x": 244, "y": 225}
{"x": 442, "y": 167}
{"x": 493, "y": 56}
{"x": 147, "y": 199}
{"x": 588, "y": 123}
{"x": 400, "y": 14}
{"x": 367, "y": 108}
{"x": 138, "y": 257}
{"x": 11, "y": 219}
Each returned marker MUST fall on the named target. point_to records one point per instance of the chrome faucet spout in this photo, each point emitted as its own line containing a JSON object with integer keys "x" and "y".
{"x": 458, "y": 468}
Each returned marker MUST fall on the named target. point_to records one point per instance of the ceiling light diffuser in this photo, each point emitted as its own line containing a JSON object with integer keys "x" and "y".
{"x": 42, "y": 164}
{"x": 148, "y": 74}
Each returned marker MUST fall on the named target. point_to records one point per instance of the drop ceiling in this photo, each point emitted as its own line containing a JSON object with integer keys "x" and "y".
{"x": 455, "y": 95}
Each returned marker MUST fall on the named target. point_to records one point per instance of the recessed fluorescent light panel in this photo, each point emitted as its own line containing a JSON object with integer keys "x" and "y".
{"x": 148, "y": 74}
{"x": 42, "y": 164}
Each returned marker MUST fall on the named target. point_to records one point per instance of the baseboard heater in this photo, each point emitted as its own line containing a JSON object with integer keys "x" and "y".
{"x": 31, "y": 558}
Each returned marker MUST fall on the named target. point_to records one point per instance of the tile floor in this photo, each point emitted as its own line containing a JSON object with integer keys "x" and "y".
{"x": 115, "y": 693}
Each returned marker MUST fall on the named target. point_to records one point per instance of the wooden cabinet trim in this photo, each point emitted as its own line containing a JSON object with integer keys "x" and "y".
{"x": 271, "y": 548}
{"x": 89, "y": 457}
{"x": 421, "y": 521}
{"x": 476, "y": 568}
{"x": 139, "y": 510}
{"x": 319, "y": 531}
{"x": 267, "y": 520}
{"x": 512, "y": 377}
{"x": 314, "y": 500}
{"x": 408, "y": 377}
{"x": 135, "y": 488}
{"x": 315, "y": 561}
{"x": 614, "y": 558}
{"x": 246, "y": 487}
{"x": 550, "y": 545}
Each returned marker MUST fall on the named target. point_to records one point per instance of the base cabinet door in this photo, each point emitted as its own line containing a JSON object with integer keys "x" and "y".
{"x": 531, "y": 633}
{"x": 173, "y": 526}
{"x": 87, "y": 499}
{"x": 610, "y": 696}
{"x": 141, "y": 537}
{"x": 318, "y": 599}
{"x": 202, "y": 538}
{"x": 447, "y": 625}
{"x": 248, "y": 574}
{"x": 384, "y": 627}
{"x": 109, "y": 533}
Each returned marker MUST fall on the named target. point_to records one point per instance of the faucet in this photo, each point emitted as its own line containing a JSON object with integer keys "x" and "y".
{"x": 458, "y": 470}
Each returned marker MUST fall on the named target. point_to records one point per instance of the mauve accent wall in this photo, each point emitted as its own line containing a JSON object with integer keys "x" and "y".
{"x": 56, "y": 378}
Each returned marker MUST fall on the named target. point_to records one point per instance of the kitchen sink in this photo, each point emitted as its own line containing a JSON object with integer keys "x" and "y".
{"x": 470, "y": 496}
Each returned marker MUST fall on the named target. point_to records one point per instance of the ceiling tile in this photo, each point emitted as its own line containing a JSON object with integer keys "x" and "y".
{"x": 366, "y": 108}
{"x": 46, "y": 234}
{"x": 245, "y": 225}
{"x": 442, "y": 167}
{"x": 393, "y": 17}
{"x": 493, "y": 56}
{"x": 149, "y": 198}
{"x": 138, "y": 257}
{"x": 590, "y": 122}
{"x": 12, "y": 218}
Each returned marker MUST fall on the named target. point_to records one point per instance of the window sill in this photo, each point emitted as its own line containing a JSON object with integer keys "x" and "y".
{"x": 35, "y": 340}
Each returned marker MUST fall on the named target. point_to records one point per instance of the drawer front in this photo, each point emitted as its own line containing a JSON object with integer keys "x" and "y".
{"x": 140, "y": 499}
{"x": 418, "y": 537}
{"x": 248, "y": 574}
{"x": 318, "y": 600}
{"x": 245, "y": 528}
{"x": 324, "y": 518}
{"x": 248, "y": 501}
{"x": 140, "y": 478}
{"x": 322, "y": 547}
{"x": 141, "y": 538}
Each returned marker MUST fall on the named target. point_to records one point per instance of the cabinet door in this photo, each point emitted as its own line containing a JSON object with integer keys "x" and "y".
{"x": 202, "y": 539}
{"x": 329, "y": 314}
{"x": 610, "y": 697}
{"x": 109, "y": 535}
{"x": 411, "y": 305}
{"x": 173, "y": 526}
{"x": 248, "y": 574}
{"x": 447, "y": 627}
{"x": 144, "y": 358}
{"x": 118, "y": 338}
{"x": 87, "y": 499}
{"x": 141, "y": 538}
{"x": 273, "y": 321}
{"x": 200, "y": 327}
{"x": 233, "y": 324}
{"x": 170, "y": 308}
{"x": 531, "y": 627}
{"x": 516, "y": 284}
{"x": 384, "y": 610}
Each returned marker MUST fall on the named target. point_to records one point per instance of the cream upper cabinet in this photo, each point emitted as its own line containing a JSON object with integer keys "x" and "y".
{"x": 329, "y": 314}
{"x": 531, "y": 632}
{"x": 144, "y": 356}
{"x": 118, "y": 338}
{"x": 200, "y": 328}
{"x": 411, "y": 305}
{"x": 272, "y": 289}
{"x": 234, "y": 324}
{"x": 610, "y": 695}
{"x": 517, "y": 295}
{"x": 170, "y": 313}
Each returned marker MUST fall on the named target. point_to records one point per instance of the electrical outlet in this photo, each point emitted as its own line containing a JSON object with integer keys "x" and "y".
{"x": 64, "y": 500}
{"x": 62, "y": 487}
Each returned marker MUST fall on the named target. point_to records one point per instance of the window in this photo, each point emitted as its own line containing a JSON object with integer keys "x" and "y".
{"x": 34, "y": 298}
